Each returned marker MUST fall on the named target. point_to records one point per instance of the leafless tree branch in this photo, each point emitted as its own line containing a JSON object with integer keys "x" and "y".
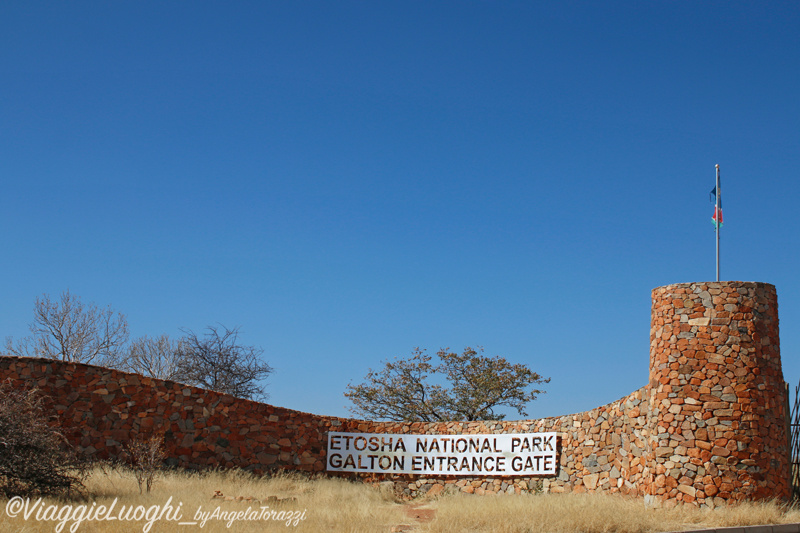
{"x": 69, "y": 330}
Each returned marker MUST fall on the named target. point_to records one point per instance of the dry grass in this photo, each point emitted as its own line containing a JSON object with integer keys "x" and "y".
{"x": 332, "y": 504}
{"x": 596, "y": 513}
{"x": 329, "y": 504}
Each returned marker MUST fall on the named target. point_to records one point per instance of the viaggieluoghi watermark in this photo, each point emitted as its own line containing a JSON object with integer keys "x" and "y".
{"x": 70, "y": 517}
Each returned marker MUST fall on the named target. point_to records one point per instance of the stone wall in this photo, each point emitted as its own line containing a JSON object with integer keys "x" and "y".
{"x": 710, "y": 418}
{"x": 100, "y": 410}
{"x": 717, "y": 396}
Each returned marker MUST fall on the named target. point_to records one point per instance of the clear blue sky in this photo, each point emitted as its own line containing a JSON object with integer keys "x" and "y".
{"x": 349, "y": 180}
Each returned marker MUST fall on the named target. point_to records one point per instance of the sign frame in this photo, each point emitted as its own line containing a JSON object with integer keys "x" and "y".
{"x": 491, "y": 454}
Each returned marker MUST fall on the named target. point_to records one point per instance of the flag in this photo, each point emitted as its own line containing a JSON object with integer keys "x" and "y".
{"x": 717, "y": 208}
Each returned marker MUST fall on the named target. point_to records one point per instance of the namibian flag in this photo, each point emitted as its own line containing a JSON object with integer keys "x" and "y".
{"x": 717, "y": 208}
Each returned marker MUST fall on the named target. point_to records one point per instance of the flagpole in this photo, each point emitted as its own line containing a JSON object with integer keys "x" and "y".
{"x": 716, "y": 220}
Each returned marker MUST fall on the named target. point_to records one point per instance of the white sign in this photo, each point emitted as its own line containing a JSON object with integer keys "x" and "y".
{"x": 518, "y": 454}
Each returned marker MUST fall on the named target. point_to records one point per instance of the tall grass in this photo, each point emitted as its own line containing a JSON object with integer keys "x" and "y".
{"x": 333, "y": 504}
{"x": 324, "y": 504}
{"x": 591, "y": 513}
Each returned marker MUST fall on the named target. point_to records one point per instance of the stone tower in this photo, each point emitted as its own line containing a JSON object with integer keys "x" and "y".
{"x": 717, "y": 426}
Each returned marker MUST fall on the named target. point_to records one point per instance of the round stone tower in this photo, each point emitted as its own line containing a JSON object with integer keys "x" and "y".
{"x": 718, "y": 421}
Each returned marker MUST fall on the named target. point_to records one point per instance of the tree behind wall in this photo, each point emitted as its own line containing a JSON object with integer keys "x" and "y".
{"x": 217, "y": 361}
{"x": 69, "y": 330}
{"x": 477, "y": 386}
{"x": 157, "y": 357}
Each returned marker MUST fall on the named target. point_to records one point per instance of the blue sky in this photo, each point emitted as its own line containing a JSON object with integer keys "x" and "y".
{"x": 348, "y": 180}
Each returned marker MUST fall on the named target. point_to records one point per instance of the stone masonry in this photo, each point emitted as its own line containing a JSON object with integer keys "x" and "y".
{"x": 709, "y": 427}
{"x": 717, "y": 396}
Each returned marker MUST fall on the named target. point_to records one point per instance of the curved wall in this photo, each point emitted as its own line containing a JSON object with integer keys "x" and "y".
{"x": 100, "y": 410}
{"x": 710, "y": 418}
{"x": 717, "y": 395}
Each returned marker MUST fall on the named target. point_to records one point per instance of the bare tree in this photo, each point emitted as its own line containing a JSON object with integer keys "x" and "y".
{"x": 218, "y": 362}
{"x": 478, "y": 385}
{"x": 71, "y": 331}
{"x": 158, "y": 357}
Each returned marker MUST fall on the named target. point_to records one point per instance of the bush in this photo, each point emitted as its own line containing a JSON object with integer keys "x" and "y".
{"x": 145, "y": 459}
{"x": 35, "y": 458}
